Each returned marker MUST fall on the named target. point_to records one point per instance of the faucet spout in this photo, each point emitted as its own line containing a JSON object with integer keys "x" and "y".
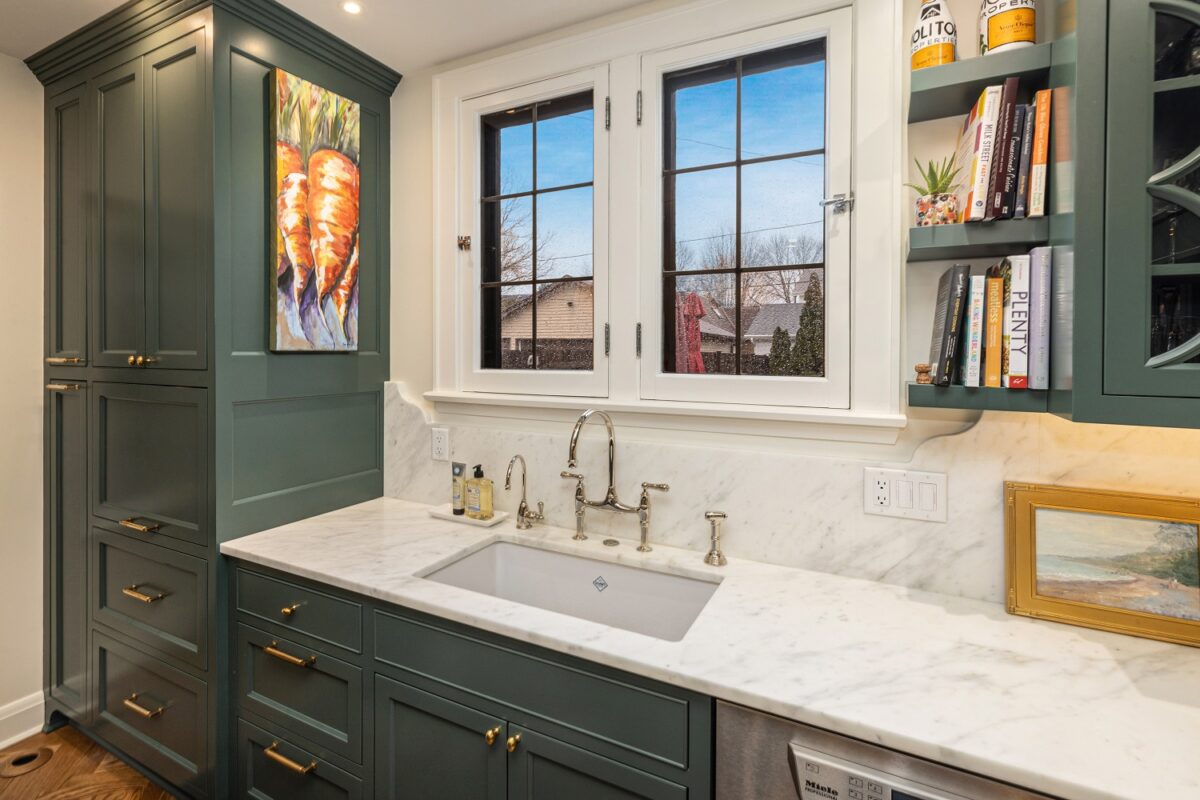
{"x": 572, "y": 459}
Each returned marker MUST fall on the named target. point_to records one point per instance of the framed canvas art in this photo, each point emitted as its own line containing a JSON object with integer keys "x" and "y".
{"x": 1116, "y": 561}
{"x": 315, "y": 259}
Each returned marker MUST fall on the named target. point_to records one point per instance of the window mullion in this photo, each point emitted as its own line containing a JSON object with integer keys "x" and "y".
{"x": 737, "y": 225}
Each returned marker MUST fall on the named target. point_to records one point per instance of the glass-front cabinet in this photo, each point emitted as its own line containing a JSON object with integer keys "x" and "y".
{"x": 1152, "y": 224}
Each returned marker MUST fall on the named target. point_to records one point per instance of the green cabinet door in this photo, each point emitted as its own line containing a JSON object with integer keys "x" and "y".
{"x": 66, "y": 227}
{"x": 178, "y": 203}
{"x": 1152, "y": 228}
{"x": 118, "y": 238}
{"x": 542, "y": 768}
{"x": 431, "y": 748}
{"x": 67, "y": 547}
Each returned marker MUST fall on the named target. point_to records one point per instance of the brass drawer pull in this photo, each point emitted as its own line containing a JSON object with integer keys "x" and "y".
{"x": 513, "y": 741}
{"x": 273, "y": 650}
{"x": 137, "y": 526}
{"x": 64, "y": 387}
{"x": 145, "y": 713}
{"x": 287, "y": 611}
{"x": 132, "y": 591}
{"x": 64, "y": 360}
{"x": 141, "y": 361}
{"x": 273, "y": 753}
{"x": 490, "y": 735}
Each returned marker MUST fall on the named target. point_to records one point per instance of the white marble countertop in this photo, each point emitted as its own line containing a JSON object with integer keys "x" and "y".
{"x": 1076, "y": 713}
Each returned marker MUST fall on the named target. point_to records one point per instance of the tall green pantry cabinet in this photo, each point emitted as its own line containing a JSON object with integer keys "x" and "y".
{"x": 170, "y": 426}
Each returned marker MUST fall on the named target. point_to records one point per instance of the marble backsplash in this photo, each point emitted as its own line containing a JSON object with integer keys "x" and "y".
{"x": 805, "y": 510}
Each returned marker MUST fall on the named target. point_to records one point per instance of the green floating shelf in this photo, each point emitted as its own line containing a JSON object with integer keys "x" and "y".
{"x": 949, "y": 90}
{"x": 981, "y": 398}
{"x": 976, "y": 239}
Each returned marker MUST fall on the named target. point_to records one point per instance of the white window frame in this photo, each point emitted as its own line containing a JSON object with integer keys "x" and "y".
{"x": 833, "y": 389}
{"x": 876, "y": 411}
{"x": 473, "y": 377}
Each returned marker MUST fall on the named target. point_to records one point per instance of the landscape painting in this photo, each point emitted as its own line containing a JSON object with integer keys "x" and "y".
{"x": 315, "y": 174}
{"x": 1120, "y": 562}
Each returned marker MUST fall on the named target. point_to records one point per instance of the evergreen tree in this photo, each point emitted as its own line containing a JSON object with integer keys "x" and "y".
{"x": 779, "y": 361}
{"x": 808, "y": 353}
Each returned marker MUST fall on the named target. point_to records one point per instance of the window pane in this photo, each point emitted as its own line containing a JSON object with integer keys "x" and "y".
{"x": 783, "y": 101}
{"x": 507, "y": 327}
{"x": 564, "y": 325}
{"x": 702, "y": 112}
{"x": 782, "y": 220}
{"x": 508, "y": 240}
{"x": 564, "y": 147}
{"x": 783, "y": 323}
{"x": 699, "y": 324}
{"x": 704, "y": 218}
{"x": 508, "y": 152}
{"x": 564, "y": 233}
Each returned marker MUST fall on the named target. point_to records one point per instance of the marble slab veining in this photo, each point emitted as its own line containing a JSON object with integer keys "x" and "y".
{"x": 1081, "y": 714}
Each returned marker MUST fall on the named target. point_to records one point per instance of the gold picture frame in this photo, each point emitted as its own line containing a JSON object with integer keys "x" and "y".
{"x": 1114, "y": 561}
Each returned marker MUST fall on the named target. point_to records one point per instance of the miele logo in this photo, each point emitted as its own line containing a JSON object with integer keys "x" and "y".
{"x": 820, "y": 789}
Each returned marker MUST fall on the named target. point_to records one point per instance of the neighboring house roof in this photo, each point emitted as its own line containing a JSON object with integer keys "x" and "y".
{"x": 564, "y": 312}
{"x": 772, "y": 316}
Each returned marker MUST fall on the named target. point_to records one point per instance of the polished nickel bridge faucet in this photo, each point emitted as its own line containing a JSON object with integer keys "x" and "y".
{"x": 610, "y": 501}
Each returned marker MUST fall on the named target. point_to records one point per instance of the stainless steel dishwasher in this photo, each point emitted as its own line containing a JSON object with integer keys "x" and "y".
{"x": 764, "y": 757}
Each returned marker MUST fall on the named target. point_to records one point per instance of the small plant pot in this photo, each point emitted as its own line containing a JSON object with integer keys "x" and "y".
{"x": 937, "y": 209}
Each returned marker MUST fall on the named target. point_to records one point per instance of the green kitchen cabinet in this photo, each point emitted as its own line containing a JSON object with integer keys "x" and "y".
{"x": 544, "y": 768}
{"x": 170, "y": 424}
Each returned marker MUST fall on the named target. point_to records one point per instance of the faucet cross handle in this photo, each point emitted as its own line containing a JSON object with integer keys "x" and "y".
{"x": 575, "y": 476}
{"x": 658, "y": 487}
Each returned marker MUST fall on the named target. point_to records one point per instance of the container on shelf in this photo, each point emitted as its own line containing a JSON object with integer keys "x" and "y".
{"x": 935, "y": 37}
{"x": 1006, "y": 25}
{"x": 937, "y": 209}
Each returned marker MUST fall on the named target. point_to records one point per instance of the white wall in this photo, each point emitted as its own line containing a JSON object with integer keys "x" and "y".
{"x": 21, "y": 399}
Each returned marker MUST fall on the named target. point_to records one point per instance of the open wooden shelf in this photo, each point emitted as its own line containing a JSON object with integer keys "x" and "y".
{"x": 1004, "y": 237}
{"x": 981, "y": 398}
{"x": 949, "y": 90}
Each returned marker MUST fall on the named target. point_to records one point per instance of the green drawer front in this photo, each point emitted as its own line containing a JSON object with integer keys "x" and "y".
{"x": 152, "y": 594}
{"x": 320, "y": 699}
{"x": 319, "y": 615}
{"x": 168, "y": 735}
{"x": 281, "y": 778}
{"x": 632, "y": 717}
{"x": 150, "y": 459}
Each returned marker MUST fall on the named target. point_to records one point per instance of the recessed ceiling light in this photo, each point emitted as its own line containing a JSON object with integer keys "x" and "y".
{"x": 351, "y": 7}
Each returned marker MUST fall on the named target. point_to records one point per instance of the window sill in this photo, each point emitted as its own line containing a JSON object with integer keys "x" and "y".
{"x": 839, "y": 425}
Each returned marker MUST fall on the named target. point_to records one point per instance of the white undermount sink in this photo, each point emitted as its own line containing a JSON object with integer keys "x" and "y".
{"x": 639, "y": 600}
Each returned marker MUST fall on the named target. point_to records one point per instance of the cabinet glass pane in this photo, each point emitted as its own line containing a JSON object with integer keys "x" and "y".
{"x": 1175, "y": 232}
{"x": 1175, "y": 312}
{"x": 1176, "y": 48}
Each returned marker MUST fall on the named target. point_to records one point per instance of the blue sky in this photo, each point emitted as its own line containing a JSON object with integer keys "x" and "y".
{"x": 782, "y": 111}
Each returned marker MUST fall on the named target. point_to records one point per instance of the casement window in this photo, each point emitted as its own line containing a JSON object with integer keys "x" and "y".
{"x": 653, "y": 228}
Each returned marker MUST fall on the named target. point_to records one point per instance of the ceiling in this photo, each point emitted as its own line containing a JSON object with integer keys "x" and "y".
{"x": 406, "y": 35}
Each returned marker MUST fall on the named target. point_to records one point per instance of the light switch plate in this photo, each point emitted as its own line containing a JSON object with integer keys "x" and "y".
{"x": 904, "y": 493}
{"x": 439, "y": 444}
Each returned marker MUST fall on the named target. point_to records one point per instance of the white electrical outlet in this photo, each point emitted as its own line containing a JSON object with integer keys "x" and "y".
{"x": 901, "y": 493}
{"x": 439, "y": 444}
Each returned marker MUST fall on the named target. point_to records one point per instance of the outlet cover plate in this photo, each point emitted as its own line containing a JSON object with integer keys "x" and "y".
{"x": 439, "y": 444}
{"x": 905, "y": 493}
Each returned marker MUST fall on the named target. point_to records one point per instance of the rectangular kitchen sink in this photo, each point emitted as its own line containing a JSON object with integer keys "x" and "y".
{"x": 634, "y": 599}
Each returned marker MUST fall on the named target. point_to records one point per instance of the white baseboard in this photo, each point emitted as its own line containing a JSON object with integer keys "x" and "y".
{"x": 21, "y": 718}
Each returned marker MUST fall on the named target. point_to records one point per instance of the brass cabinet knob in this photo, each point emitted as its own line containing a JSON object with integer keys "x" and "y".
{"x": 140, "y": 361}
{"x": 133, "y": 361}
{"x": 513, "y": 741}
{"x": 491, "y": 735}
{"x": 287, "y": 611}
{"x": 147, "y": 361}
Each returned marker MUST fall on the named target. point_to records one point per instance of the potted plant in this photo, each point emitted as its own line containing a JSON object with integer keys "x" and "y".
{"x": 937, "y": 203}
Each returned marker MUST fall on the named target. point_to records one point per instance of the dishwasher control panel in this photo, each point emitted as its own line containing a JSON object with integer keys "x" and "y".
{"x": 823, "y": 777}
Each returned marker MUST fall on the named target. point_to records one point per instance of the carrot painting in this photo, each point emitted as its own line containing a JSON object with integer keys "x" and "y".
{"x": 315, "y": 171}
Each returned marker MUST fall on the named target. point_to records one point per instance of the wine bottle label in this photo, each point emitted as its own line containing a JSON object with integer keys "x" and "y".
{"x": 1004, "y": 23}
{"x": 934, "y": 38}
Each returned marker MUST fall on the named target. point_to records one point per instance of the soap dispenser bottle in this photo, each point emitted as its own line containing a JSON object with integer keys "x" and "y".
{"x": 479, "y": 495}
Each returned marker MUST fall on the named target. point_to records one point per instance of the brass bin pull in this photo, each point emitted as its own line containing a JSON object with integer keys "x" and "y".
{"x": 287, "y": 611}
{"x": 513, "y": 741}
{"x": 132, "y": 591}
{"x": 490, "y": 735}
{"x": 137, "y": 526}
{"x": 273, "y": 650}
{"x": 61, "y": 360}
{"x": 273, "y": 753}
{"x": 145, "y": 713}
{"x": 64, "y": 387}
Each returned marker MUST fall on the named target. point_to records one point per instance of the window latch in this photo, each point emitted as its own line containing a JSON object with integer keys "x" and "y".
{"x": 464, "y": 243}
{"x": 841, "y": 203}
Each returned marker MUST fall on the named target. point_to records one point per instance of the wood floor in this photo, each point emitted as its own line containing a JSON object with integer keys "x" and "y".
{"x": 80, "y": 769}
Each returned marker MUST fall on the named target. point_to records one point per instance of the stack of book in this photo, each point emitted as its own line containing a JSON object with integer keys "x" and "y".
{"x": 994, "y": 329}
{"x": 1002, "y": 152}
